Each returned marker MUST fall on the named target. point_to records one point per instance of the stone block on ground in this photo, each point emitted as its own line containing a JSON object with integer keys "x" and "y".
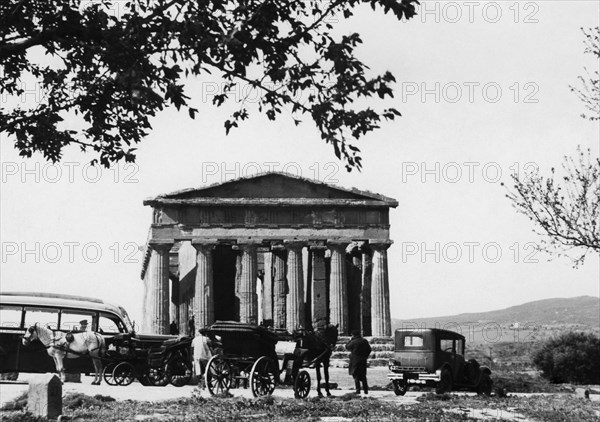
{"x": 45, "y": 396}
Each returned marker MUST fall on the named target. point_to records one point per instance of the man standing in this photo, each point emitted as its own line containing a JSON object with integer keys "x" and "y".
{"x": 201, "y": 352}
{"x": 360, "y": 349}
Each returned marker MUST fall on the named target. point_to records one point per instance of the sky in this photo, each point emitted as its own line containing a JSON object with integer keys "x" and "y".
{"x": 483, "y": 88}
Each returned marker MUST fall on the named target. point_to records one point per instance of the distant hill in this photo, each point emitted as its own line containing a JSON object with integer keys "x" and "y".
{"x": 582, "y": 311}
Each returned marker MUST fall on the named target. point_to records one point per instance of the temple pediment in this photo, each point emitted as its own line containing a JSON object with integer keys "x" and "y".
{"x": 272, "y": 188}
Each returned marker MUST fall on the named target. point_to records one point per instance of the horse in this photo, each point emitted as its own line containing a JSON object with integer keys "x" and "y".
{"x": 60, "y": 347}
{"x": 316, "y": 348}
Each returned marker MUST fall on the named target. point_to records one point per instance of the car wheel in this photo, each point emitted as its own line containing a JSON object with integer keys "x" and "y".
{"x": 485, "y": 385}
{"x": 400, "y": 387}
{"x": 445, "y": 383}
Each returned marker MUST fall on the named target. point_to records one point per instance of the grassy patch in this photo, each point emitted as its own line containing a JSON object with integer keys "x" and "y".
{"x": 526, "y": 382}
{"x": 544, "y": 407}
{"x": 73, "y": 401}
{"x": 432, "y": 407}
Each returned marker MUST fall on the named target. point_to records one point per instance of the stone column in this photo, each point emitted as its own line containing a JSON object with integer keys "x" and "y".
{"x": 338, "y": 300}
{"x": 159, "y": 288}
{"x": 295, "y": 279}
{"x": 280, "y": 287}
{"x": 174, "y": 305}
{"x": 319, "y": 286}
{"x": 380, "y": 292}
{"x": 267, "y": 293}
{"x": 203, "y": 285}
{"x": 184, "y": 318}
{"x": 247, "y": 286}
{"x": 366, "y": 291}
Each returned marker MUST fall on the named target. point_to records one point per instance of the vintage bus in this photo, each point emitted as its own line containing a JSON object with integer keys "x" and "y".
{"x": 20, "y": 310}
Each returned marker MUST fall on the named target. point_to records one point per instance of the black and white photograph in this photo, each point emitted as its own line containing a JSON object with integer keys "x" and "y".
{"x": 276, "y": 210}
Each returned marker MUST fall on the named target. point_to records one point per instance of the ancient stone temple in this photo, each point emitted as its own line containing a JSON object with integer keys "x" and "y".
{"x": 270, "y": 249}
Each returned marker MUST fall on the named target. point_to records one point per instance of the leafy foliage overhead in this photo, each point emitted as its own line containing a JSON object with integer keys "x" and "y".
{"x": 117, "y": 70}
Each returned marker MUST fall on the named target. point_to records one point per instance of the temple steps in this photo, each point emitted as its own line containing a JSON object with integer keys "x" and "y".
{"x": 382, "y": 351}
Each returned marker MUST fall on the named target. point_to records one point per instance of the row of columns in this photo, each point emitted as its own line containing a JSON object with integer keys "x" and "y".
{"x": 288, "y": 286}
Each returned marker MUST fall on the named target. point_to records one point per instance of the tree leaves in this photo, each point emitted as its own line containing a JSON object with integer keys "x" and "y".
{"x": 118, "y": 70}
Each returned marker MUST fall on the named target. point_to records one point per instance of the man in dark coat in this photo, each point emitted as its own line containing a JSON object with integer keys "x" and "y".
{"x": 173, "y": 329}
{"x": 360, "y": 349}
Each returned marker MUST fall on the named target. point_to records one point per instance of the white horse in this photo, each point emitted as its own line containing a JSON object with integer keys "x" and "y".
{"x": 83, "y": 343}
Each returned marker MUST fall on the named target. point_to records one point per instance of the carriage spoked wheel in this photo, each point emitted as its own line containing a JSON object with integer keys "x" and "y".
{"x": 157, "y": 376}
{"x": 179, "y": 372}
{"x": 107, "y": 373}
{"x": 302, "y": 384}
{"x": 218, "y": 375}
{"x": 124, "y": 373}
{"x": 262, "y": 377}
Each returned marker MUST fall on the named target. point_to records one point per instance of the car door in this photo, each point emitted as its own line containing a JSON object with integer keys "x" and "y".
{"x": 449, "y": 351}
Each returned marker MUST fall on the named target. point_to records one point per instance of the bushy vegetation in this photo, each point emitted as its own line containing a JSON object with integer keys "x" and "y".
{"x": 431, "y": 407}
{"x": 570, "y": 357}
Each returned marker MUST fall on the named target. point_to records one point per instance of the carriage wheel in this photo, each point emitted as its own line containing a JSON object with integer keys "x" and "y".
{"x": 107, "y": 373}
{"x": 302, "y": 385}
{"x": 400, "y": 387}
{"x": 262, "y": 377}
{"x": 179, "y": 372}
{"x": 218, "y": 375}
{"x": 157, "y": 377}
{"x": 124, "y": 374}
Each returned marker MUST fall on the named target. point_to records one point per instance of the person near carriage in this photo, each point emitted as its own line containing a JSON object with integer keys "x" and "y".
{"x": 201, "y": 352}
{"x": 360, "y": 349}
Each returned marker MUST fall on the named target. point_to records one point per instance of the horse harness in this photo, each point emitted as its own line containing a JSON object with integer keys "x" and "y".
{"x": 69, "y": 338}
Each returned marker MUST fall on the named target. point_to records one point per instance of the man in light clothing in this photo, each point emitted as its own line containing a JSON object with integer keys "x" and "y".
{"x": 202, "y": 353}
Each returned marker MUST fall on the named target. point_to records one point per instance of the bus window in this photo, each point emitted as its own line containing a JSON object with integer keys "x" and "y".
{"x": 71, "y": 321}
{"x": 43, "y": 316}
{"x": 10, "y": 316}
{"x": 110, "y": 324}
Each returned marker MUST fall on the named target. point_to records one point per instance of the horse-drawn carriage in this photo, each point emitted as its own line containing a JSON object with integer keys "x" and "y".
{"x": 129, "y": 358}
{"x": 250, "y": 359}
{"x": 153, "y": 360}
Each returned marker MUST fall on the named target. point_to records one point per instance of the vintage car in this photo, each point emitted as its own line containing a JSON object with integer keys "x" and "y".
{"x": 435, "y": 357}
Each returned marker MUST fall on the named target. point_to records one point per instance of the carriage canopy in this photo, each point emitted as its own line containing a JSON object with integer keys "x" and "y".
{"x": 245, "y": 340}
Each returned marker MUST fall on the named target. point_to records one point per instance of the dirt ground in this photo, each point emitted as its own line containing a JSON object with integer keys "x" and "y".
{"x": 376, "y": 376}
